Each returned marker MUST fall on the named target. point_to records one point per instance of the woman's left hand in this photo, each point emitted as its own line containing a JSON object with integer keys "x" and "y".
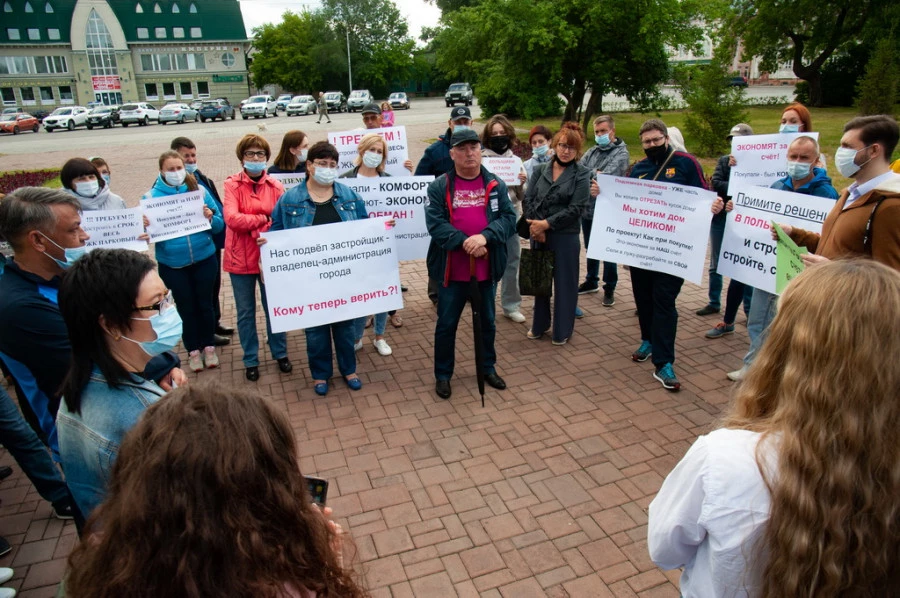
{"x": 390, "y": 223}
{"x": 207, "y": 213}
{"x": 146, "y": 221}
{"x": 408, "y": 165}
{"x": 176, "y": 377}
{"x": 523, "y": 178}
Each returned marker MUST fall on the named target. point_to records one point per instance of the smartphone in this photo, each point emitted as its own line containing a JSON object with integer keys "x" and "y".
{"x": 318, "y": 489}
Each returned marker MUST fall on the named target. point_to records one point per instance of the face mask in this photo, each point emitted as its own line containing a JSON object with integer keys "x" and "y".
{"x": 371, "y": 159}
{"x": 798, "y": 170}
{"x": 845, "y": 158}
{"x": 325, "y": 176}
{"x": 301, "y": 157}
{"x": 499, "y": 145}
{"x": 73, "y": 254}
{"x": 87, "y": 188}
{"x": 541, "y": 150}
{"x": 176, "y": 177}
{"x": 254, "y": 167}
{"x": 561, "y": 163}
{"x": 656, "y": 153}
{"x": 458, "y": 128}
{"x": 167, "y": 327}
{"x": 106, "y": 178}
{"x": 602, "y": 140}
{"x": 191, "y": 168}
{"x": 789, "y": 129}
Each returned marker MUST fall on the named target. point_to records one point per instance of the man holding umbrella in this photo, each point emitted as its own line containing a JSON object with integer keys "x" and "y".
{"x": 469, "y": 218}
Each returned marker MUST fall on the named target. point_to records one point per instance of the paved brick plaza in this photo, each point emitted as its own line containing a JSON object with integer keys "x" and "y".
{"x": 543, "y": 492}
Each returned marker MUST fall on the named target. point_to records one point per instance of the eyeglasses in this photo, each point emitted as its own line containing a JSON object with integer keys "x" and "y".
{"x": 252, "y": 154}
{"x": 652, "y": 142}
{"x": 161, "y": 306}
{"x": 319, "y": 164}
{"x": 565, "y": 147}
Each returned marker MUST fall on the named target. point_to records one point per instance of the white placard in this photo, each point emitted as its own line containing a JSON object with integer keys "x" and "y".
{"x": 652, "y": 225}
{"x": 114, "y": 229}
{"x": 317, "y": 275}
{"x": 760, "y": 159}
{"x": 347, "y": 142}
{"x": 288, "y": 180}
{"x": 174, "y": 216}
{"x": 507, "y": 169}
{"x": 404, "y": 199}
{"x": 748, "y": 251}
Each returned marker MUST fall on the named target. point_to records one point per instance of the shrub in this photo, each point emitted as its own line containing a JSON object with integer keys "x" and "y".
{"x": 715, "y": 106}
{"x": 877, "y": 90}
{"x": 13, "y": 179}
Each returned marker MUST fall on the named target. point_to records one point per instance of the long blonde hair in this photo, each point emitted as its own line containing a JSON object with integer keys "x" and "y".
{"x": 368, "y": 142}
{"x": 825, "y": 392}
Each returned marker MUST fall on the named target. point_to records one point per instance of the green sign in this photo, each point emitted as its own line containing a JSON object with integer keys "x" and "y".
{"x": 227, "y": 78}
{"x": 788, "y": 262}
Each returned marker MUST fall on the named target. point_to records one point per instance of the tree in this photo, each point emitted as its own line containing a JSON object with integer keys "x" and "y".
{"x": 715, "y": 106}
{"x": 878, "y": 87}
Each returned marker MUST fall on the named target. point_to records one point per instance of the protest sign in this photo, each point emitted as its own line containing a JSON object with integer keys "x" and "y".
{"x": 507, "y": 169}
{"x": 317, "y": 275}
{"x": 402, "y": 199}
{"x": 652, "y": 224}
{"x": 789, "y": 263}
{"x": 760, "y": 159}
{"x": 748, "y": 251}
{"x": 346, "y": 143}
{"x": 288, "y": 179}
{"x": 173, "y": 216}
{"x": 114, "y": 229}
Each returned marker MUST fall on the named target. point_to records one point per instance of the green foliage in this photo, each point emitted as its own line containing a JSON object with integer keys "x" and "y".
{"x": 878, "y": 87}
{"x": 840, "y": 75}
{"x": 715, "y": 106}
{"x": 298, "y": 54}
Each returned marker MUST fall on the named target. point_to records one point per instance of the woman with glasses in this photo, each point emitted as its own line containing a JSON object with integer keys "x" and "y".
{"x": 556, "y": 197}
{"x": 291, "y": 157}
{"x": 119, "y": 315}
{"x": 188, "y": 264}
{"x": 320, "y": 200}
{"x": 250, "y": 197}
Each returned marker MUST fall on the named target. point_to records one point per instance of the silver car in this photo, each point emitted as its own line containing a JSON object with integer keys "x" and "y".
{"x": 301, "y": 105}
{"x": 177, "y": 113}
{"x": 259, "y": 107}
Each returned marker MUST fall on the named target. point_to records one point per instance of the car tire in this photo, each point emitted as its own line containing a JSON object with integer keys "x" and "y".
{"x": 16, "y": 130}
{"x": 244, "y": 117}
{"x": 275, "y": 114}
{"x": 202, "y": 119}
{"x": 181, "y": 122}
{"x": 108, "y": 125}
{"x": 35, "y": 128}
{"x": 48, "y": 129}
{"x": 124, "y": 125}
{"x": 147, "y": 120}
{"x": 90, "y": 127}
{"x": 71, "y": 125}
{"x": 232, "y": 116}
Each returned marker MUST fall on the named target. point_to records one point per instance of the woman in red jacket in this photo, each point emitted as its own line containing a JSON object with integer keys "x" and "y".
{"x": 250, "y": 197}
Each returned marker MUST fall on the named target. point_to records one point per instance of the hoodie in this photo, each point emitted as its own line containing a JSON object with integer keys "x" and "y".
{"x": 820, "y": 185}
{"x": 104, "y": 200}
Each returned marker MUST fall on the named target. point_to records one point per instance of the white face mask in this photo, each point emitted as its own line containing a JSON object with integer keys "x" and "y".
{"x": 845, "y": 159}
{"x": 372, "y": 159}
{"x": 87, "y": 188}
{"x": 175, "y": 177}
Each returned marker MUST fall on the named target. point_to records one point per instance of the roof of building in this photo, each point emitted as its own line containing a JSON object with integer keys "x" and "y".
{"x": 43, "y": 15}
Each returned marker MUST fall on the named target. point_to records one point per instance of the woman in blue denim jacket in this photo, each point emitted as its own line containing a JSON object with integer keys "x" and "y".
{"x": 319, "y": 200}
{"x": 188, "y": 264}
{"x": 119, "y": 315}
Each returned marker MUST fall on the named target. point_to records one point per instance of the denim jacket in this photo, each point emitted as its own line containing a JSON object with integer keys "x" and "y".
{"x": 296, "y": 208}
{"x": 89, "y": 441}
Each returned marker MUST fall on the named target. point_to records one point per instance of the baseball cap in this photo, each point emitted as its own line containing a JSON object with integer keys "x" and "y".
{"x": 371, "y": 108}
{"x": 460, "y": 112}
{"x": 460, "y": 137}
{"x": 739, "y": 130}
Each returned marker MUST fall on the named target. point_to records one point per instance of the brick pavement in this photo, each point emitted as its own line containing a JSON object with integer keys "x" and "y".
{"x": 543, "y": 492}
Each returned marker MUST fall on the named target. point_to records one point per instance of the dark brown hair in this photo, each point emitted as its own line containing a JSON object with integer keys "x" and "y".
{"x": 285, "y": 159}
{"x": 78, "y": 167}
{"x": 879, "y": 128}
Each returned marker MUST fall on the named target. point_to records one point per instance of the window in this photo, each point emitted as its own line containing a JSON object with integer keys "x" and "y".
{"x": 46, "y": 95}
{"x": 175, "y": 9}
{"x": 228, "y": 59}
{"x": 143, "y": 33}
{"x": 139, "y": 9}
{"x": 159, "y": 32}
{"x": 48, "y": 8}
{"x": 170, "y": 62}
{"x": 193, "y": 9}
{"x": 53, "y": 33}
{"x": 27, "y": 94}
{"x": 8, "y": 95}
{"x": 156, "y": 8}
{"x": 13, "y": 34}
{"x": 151, "y": 91}
{"x": 178, "y": 32}
{"x": 203, "y": 89}
{"x": 28, "y": 7}
{"x": 168, "y": 91}
{"x": 7, "y": 7}
{"x": 30, "y": 65}
{"x": 196, "y": 32}
{"x": 34, "y": 34}
{"x": 185, "y": 89}
{"x": 65, "y": 95}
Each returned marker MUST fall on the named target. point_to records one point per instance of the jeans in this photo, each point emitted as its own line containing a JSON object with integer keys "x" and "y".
{"x": 763, "y": 308}
{"x": 192, "y": 288}
{"x": 244, "y": 288}
{"x": 359, "y": 326}
{"x": 738, "y": 293}
{"x": 318, "y": 349}
{"x": 716, "y": 232}
{"x": 610, "y": 270}
{"x": 452, "y": 300}
{"x": 510, "y": 298}
{"x": 655, "y": 294}
{"x": 567, "y": 248}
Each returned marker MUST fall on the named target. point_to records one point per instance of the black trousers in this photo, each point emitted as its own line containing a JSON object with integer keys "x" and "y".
{"x": 655, "y": 294}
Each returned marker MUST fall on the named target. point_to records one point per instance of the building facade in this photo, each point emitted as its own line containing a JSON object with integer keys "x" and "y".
{"x": 63, "y": 52}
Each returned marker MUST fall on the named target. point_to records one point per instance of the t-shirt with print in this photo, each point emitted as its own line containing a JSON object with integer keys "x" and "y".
{"x": 469, "y": 216}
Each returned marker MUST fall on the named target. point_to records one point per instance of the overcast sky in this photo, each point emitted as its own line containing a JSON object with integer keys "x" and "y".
{"x": 418, "y": 13}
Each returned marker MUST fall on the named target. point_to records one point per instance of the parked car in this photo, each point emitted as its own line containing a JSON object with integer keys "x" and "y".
{"x": 738, "y": 81}
{"x": 336, "y": 101}
{"x": 283, "y": 100}
{"x": 196, "y": 105}
{"x": 459, "y": 93}
{"x": 177, "y": 113}
{"x": 16, "y": 122}
{"x": 138, "y": 112}
{"x": 66, "y": 118}
{"x": 301, "y": 105}
{"x": 213, "y": 109}
{"x": 259, "y": 107}
{"x": 398, "y": 100}
{"x": 358, "y": 99}
{"x": 103, "y": 116}
{"x": 12, "y": 110}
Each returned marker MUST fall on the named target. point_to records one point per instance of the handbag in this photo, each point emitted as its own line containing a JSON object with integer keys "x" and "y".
{"x": 523, "y": 228}
{"x": 536, "y": 272}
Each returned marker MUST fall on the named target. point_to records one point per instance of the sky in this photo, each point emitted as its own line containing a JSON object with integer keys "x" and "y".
{"x": 418, "y": 13}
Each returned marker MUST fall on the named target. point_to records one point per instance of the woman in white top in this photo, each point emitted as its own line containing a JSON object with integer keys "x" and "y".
{"x": 797, "y": 493}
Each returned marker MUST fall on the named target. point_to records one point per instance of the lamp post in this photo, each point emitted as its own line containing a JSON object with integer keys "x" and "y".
{"x": 349, "y": 68}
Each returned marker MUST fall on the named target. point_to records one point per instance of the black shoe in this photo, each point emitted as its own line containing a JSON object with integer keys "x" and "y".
{"x": 252, "y": 373}
{"x": 442, "y": 388}
{"x": 433, "y": 299}
{"x": 5, "y": 472}
{"x": 707, "y": 310}
{"x": 588, "y": 287}
{"x": 64, "y": 510}
{"x": 224, "y": 330}
{"x": 220, "y": 341}
{"x": 284, "y": 364}
{"x": 403, "y": 288}
{"x": 609, "y": 298}
{"x": 4, "y": 546}
{"x": 494, "y": 380}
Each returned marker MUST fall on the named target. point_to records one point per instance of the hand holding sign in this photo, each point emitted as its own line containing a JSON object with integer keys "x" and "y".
{"x": 174, "y": 216}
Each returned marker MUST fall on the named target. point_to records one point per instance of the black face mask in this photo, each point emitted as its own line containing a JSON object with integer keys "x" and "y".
{"x": 657, "y": 153}
{"x": 499, "y": 144}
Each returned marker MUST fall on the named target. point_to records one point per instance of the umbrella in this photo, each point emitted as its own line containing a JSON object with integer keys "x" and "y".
{"x": 475, "y": 299}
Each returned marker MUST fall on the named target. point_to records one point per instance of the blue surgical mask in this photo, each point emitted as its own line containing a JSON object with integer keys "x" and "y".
{"x": 458, "y": 128}
{"x": 325, "y": 176}
{"x": 106, "y": 178}
{"x": 167, "y": 326}
{"x": 191, "y": 168}
{"x": 602, "y": 140}
{"x": 254, "y": 167}
{"x": 372, "y": 159}
{"x": 541, "y": 150}
{"x": 73, "y": 254}
{"x": 798, "y": 170}
{"x": 789, "y": 129}
{"x": 87, "y": 188}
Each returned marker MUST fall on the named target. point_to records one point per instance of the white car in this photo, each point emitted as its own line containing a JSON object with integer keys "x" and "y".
{"x": 138, "y": 112}
{"x": 66, "y": 118}
{"x": 259, "y": 107}
{"x": 301, "y": 105}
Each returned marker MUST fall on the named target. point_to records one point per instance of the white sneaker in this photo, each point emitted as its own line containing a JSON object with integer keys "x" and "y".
{"x": 5, "y": 574}
{"x": 382, "y": 346}
{"x": 7, "y": 593}
{"x": 515, "y": 316}
{"x": 737, "y": 375}
{"x": 210, "y": 358}
{"x": 358, "y": 345}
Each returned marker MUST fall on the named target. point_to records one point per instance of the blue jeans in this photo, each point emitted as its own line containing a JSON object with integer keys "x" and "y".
{"x": 244, "y": 287}
{"x": 319, "y": 353}
{"x": 610, "y": 270}
{"x": 510, "y": 298}
{"x": 716, "y": 232}
{"x": 763, "y": 308}
{"x": 359, "y": 326}
{"x": 452, "y": 300}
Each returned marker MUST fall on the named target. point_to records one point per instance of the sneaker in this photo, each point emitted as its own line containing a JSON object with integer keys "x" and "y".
{"x": 358, "y": 345}
{"x": 737, "y": 375}
{"x": 666, "y": 376}
{"x": 5, "y": 574}
{"x": 707, "y": 310}
{"x": 720, "y": 330}
{"x": 643, "y": 352}
{"x": 382, "y": 347}
{"x": 65, "y": 511}
{"x": 210, "y": 358}
{"x": 560, "y": 343}
{"x": 588, "y": 287}
{"x": 530, "y": 334}
{"x": 578, "y": 313}
{"x": 609, "y": 298}
{"x": 515, "y": 316}
{"x": 195, "y": 361}
{"x": 7, "y": 593}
